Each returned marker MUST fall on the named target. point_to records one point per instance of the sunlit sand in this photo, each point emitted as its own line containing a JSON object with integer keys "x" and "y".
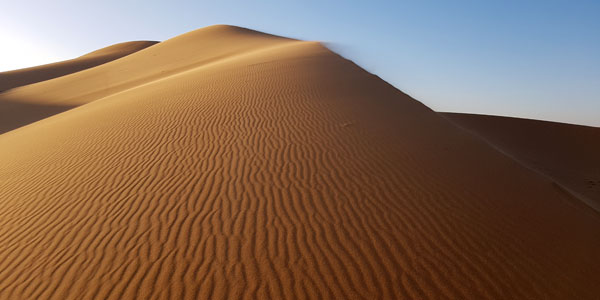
{"x": 226, "y": 163}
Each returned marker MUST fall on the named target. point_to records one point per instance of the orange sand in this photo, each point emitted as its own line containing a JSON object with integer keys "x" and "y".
{"x": 230, "y": 164}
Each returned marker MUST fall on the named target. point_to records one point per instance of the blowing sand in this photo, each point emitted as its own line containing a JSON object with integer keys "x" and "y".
{"x": 231, "y": 164}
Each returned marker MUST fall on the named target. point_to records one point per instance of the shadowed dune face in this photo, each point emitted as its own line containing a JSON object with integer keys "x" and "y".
{"x": 18, "y": 111}
{"x": 273, "y": 168}
{"x": 16, "y": 78}
{"x": 566, "y": 153}
{"x": 17, "y": 114}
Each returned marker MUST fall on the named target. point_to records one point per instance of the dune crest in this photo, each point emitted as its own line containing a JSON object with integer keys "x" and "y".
{"x": 21, "y": 77}
{"x": 187, "y": 51}
{"x": 566, "y": 153}
{"x": 15, "y": 113}
{"x": 231, "y": 164}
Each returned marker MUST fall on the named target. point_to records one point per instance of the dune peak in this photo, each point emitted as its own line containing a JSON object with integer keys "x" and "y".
{"x": 226, "y": 163}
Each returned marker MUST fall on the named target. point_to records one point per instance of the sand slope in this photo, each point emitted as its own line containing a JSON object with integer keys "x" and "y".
{"x": 272, "y": 168}
{"x": 567, "y": 153}
{"x": 17, "y": 113}
{"x": 187, "y": 51}
{"x": 16, "y": 78}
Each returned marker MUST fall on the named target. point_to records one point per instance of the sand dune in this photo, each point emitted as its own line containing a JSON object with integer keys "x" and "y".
{"x": 15, "y": 114}
{"x": 174, "y": 56}
{"x": 566, "y": 153}
{"x": 230, "y": 164}
{"x": 16, "y": 78}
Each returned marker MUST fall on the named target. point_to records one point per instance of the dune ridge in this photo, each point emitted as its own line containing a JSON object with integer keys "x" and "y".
{"x": 227, "y": 163}
{"x": 21, "y": 77}
{"x": 187, "y": 51}
{"x": 566, "y": 153}
{"x": 15, "y": 114}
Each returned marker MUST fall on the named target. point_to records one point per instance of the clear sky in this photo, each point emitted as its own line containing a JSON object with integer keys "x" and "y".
{"x": 529, "y": 58}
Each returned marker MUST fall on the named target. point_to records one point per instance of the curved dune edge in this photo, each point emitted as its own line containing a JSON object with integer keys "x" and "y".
{"x": 187, "y": 51}
{"x": 280, "y": 171}
{"x": 566, "y": 153}
{"x": 21, "y": 77}
{"x": 15, "y": 113}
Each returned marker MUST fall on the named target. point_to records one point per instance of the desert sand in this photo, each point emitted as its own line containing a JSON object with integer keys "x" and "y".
{"x": 227, "y": 163}
{"x": 567, "y": 153}
{"x": 16, "y": 78}
{"x": 18, "y": 113}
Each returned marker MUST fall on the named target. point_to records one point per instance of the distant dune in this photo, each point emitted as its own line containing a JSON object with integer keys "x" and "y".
{"x": 15, "y": 114}
{"x": 16, "y": 78}
{"x": 227, "y": 163}
{"x": 569, "y": 154}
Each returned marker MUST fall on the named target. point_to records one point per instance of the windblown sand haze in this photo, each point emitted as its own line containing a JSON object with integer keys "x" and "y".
{"x": 227, "y": 163}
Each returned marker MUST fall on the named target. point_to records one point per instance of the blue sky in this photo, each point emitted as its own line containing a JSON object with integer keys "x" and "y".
{"x": 534, "y": 59}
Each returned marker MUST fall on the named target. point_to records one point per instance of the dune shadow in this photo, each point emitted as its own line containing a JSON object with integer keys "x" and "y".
{"x": 18, "y": 114}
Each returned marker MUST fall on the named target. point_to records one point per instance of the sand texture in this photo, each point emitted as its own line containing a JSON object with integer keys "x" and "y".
{"x": 231, "y": 164}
